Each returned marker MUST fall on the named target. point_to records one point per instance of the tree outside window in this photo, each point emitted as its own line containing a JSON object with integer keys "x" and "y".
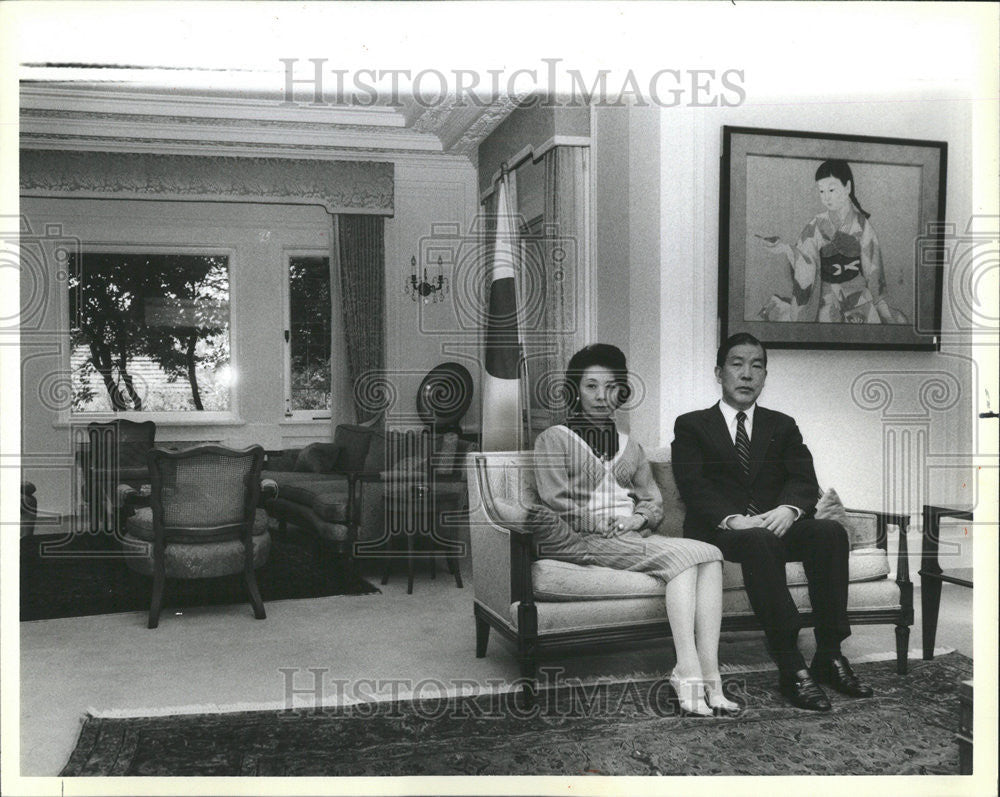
{"x": 149, "y": 332}
{"x": 309, "y": 333}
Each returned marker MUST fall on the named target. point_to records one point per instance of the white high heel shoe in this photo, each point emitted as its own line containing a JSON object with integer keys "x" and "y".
{"x": 690, "y": 695}
{"x": 715, "y": 697}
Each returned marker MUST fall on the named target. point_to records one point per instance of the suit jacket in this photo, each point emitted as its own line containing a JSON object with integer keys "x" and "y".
{"x": 712, "y": 483}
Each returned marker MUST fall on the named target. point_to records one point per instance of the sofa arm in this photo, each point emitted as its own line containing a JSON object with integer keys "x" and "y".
{"x": 880, "y": 539}
{"x": 501, "y": 557}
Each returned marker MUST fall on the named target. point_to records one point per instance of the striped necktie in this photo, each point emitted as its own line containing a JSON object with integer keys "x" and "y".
{"x": 743, "y": 453}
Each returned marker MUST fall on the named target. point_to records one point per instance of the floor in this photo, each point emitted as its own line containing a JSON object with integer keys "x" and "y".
{"x": 330, "y": 650}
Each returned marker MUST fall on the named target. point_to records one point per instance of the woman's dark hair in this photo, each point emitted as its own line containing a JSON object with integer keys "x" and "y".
{"x": 604, "y": 355}
{"x": 732, "y": 342}
{"x": 842, "y": 171}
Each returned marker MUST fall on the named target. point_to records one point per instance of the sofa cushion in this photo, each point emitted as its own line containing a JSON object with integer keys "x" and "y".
{"x": 672, "y": 524}
{"x": 554, "y": 580}
{"x": 864, "y": 564}
{"x": 326, "y": 497}
{"x": 561, "y": 616}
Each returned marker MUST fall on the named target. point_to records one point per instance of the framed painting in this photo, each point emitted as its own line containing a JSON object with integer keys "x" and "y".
{"x": 831, "y": 241}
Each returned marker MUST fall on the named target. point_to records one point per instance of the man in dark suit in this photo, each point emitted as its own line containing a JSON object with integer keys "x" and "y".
{"x": 749, "y": 487}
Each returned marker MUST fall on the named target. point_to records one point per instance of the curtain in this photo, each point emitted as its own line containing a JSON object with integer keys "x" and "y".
{"x": 359, "y": 247}
{"x": 565, "y": 259}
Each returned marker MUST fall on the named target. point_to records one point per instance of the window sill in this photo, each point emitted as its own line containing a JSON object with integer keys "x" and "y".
{"x": 160, "y": 418}
{"x": 304, "y": 420}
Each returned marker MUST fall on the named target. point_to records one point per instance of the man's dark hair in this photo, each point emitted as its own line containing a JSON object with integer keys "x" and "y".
{"x": 605, "y": 355}
{"x": 737, "y": 340}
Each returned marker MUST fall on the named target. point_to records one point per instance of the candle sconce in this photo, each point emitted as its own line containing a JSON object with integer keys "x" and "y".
{"x": 427, "y": 290}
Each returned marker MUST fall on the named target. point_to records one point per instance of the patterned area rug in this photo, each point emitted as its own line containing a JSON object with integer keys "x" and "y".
{"x": 94, "y": 580}
{"x": 609, "y": 729}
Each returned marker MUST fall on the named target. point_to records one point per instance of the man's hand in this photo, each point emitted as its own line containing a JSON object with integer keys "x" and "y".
{"x": 778, "y": 520}
{"x": 619, "y": 525}
{"x": 742, "y": 522}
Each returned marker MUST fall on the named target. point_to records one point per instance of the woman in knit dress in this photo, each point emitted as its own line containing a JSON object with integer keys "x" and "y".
{"x": 600, "y": 505}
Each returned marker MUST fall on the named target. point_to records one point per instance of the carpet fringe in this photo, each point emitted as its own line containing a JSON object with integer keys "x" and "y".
{"x": 495, "y": 689}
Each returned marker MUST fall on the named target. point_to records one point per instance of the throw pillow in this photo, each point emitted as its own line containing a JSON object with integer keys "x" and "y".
{"x": 317, "y": 458}
{"x": 830, "y": 507}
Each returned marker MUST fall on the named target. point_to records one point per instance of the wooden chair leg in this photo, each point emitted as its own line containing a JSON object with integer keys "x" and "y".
{"x": 454, "y": 569}
{"x": 529, "y": 672}
{"x": 155, "y": 606}
{"x": 930, "y": 604}
{"x": 482, "y": 637}
{"x": 902, "y": 648}
{"x": 251, "y": 581}
{"x": 255, "y": 599}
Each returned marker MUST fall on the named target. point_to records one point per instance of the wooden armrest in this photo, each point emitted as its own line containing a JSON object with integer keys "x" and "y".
{"x": 902, "y": 522}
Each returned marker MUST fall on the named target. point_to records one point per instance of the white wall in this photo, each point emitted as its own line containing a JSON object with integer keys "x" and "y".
{"x": 257, "y": 237}
{"x": 814, "y": 386}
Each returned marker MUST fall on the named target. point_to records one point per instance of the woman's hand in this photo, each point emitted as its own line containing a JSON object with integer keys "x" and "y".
{"x": 620, "y": 525}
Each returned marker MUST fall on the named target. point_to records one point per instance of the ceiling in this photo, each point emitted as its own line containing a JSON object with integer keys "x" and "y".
{"x": 225, "y": 112}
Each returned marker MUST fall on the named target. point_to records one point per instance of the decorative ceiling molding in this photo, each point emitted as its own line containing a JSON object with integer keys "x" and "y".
{"x": 91, "y": 116}
{"x": 339, "y": 186}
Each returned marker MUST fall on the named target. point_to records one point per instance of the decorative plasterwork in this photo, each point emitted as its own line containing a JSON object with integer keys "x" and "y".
{"x": 91, "y": 117}
{"x": 339, "y": 186}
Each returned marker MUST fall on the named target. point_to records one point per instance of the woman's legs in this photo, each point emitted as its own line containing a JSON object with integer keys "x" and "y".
{"x": 708, "y": 625}
{"x": 681, "y": 611}
{"x": 686, "y": 678}
{"x": 708, "y": 615}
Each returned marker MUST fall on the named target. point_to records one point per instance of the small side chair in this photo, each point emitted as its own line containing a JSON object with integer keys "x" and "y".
{"x": 202, "y": 520}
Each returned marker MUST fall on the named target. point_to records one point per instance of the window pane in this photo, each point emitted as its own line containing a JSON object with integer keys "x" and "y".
{"x": 149, "y": 332}
{"x": 309, "y": 332}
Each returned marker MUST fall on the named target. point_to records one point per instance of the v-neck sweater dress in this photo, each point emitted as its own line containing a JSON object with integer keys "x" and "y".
{"x": 579, "y": 491}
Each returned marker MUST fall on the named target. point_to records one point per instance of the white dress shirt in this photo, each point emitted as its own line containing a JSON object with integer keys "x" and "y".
{"x": 729, "y": 414}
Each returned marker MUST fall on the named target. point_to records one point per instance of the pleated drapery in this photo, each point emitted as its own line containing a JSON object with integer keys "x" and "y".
{"x": 565, "y": 252}
{"x": 360, "y": 248}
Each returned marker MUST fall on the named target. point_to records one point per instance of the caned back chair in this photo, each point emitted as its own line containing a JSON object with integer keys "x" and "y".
{"x": 202, "y": 520}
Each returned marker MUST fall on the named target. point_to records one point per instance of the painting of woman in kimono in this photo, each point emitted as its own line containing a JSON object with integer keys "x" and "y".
{"x": 838, "y": 255}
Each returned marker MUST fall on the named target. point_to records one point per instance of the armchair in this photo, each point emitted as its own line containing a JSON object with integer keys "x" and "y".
{"x": 549, "y": 608}
{"x": 202, "y": 520}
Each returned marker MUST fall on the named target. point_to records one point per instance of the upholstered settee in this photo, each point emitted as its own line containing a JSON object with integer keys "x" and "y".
{"x": 549, "y": 608}
{"x": 318, "y": 488}
{"x": 339, "y": 491}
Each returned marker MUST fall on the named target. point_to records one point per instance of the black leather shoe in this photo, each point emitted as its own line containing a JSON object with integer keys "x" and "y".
{"x": 802, "y": 692}
{"x": 837, "y": 672}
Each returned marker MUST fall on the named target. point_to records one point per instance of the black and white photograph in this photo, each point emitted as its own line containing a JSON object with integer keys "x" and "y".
{"x": 499, "y": 397}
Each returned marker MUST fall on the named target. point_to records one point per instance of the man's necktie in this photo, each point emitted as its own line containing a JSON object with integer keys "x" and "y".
{"x": 743, "y": 452}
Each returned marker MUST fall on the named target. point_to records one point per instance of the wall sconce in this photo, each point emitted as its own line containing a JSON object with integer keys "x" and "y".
{"x": 427, "y": 290}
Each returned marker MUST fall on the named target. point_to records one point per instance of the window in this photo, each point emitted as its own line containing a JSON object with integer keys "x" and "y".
{"x": 149, "y": 332}
{"x": 308, "y": 338}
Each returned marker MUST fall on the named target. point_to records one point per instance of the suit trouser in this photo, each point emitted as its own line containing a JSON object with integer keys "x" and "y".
{"x": 823, "y": 548}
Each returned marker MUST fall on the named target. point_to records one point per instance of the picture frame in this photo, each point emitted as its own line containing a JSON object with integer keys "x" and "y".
{"x": 815, "y": 257}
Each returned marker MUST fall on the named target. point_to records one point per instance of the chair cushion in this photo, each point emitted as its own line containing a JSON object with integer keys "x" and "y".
{"x": 140, "y": 525}
{"x": 317, "y": 458}
{"x": 555, "y": 580}
{"x": 184, "y": 560}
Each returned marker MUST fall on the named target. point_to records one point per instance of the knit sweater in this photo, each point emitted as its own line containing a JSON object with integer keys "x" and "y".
{"x": 567, "y": 474}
